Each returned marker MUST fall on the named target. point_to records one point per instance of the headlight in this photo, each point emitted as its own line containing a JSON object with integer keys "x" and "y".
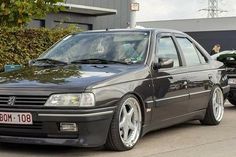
{"x": 71, "y": 100}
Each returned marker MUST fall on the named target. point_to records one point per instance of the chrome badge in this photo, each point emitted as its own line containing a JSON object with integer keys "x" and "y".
{"x": 11, "y": 100}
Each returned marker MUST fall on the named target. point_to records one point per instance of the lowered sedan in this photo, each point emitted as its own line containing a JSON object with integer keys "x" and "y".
{"x": 111, "y": 88}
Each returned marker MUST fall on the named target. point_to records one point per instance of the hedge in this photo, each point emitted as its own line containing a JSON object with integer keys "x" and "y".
{"x": 19, "y": 45}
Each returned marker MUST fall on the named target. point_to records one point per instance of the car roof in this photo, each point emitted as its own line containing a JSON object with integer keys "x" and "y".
{"x": 136, "y": 30}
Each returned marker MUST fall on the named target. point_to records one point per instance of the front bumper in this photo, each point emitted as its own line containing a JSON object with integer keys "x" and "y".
{"x": 93, "y": 127}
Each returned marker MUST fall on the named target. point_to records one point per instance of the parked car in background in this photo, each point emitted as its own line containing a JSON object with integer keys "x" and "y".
{"x": 229, "y": 59}
{"x": 223, "y": 55}
{"x": 111, "y": 88}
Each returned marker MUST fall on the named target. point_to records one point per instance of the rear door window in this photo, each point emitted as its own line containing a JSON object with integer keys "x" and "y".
{"x": 189, "y": 51}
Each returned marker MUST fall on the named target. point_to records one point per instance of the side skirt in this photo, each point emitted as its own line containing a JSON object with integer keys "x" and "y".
{"x": 198, "y": 115}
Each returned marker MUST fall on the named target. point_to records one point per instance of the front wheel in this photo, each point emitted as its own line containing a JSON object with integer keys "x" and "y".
{"x": 126, "y": 125}
{"x": 215, "y": 109}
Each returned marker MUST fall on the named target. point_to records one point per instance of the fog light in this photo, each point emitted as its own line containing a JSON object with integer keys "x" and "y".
{"x": 68, "y": 127}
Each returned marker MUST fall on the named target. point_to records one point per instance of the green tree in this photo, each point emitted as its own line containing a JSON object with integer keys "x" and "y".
{"x": 19, "y": 12}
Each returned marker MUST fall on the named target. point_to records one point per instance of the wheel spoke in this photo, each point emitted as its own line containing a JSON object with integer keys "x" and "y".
{"x": 132, "y": 126}
{"x": 122, "y": 123}
{"x": 124, "y": 111}
{"x": 131, "y": 112}
{"x": 121, "y": 132}
{"x": 214, "y": 111}
{"x": 214, "y": 98}
{"x": 216, "y": 105}
{"x": 217, "y": 112}
{"x": 126, "y": 133}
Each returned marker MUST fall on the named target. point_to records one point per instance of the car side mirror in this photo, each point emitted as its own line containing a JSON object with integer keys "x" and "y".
{"x": 230, "y": 59}
{"x": 31, "y": 62}
{"x": 164, "y": 63}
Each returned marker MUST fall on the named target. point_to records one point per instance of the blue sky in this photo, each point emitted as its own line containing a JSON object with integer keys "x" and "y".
{"x": 151, "y": 10}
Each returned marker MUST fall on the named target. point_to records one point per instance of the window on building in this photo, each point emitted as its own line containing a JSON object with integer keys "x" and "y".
{"x": 82, "y": 26}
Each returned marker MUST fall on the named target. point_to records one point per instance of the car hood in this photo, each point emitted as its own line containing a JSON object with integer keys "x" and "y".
{"x": 71, "y": 76}
{"x": 229, "y": 60}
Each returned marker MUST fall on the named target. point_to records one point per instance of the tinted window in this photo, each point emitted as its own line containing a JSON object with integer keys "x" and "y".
{"x": 167, "y": 49}
{"x": 189, "y": 52}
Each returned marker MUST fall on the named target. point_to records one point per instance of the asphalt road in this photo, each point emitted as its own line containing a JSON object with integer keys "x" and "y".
{"x": 186, "y": 140}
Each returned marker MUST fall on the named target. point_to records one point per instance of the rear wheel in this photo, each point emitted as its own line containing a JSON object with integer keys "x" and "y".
{"x": 126, "y": 125}
{"x": 215, "y": 110}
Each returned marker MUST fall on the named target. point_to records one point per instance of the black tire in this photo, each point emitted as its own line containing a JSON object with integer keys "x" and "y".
{"x": 232, "y": 101}
{"x": 210, "y": 118}
{"x": 114, "y": 141}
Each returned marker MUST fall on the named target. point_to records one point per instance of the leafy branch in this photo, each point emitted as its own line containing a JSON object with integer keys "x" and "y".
{"x": 19, "y": 12}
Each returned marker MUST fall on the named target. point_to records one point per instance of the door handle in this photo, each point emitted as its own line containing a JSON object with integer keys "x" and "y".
{"x": 210, "y": 76}
{"x": 185, "y": 84}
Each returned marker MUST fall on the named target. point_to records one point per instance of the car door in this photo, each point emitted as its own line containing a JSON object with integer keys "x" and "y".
{"x": 199, "y": 76}
{"x": 170, "y": 90}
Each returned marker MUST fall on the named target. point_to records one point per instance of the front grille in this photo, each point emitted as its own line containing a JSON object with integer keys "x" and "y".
{"x": 37, "y": 130}
{"x": 36, "y": 125}
{"x": 22, "y": 130}
{"x": 23, "y": 100}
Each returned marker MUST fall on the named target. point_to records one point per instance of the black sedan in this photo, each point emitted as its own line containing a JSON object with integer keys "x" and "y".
{"x": 111, "y": 88}
{"x": 229, "y": 59}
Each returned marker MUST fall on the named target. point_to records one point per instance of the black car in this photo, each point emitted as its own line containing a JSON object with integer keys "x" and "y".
{"x": 111, "y": 88}
{"x": 229, "y": 59}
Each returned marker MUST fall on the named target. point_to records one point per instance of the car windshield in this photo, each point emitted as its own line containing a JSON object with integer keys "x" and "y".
{"x": 113, "y": 47}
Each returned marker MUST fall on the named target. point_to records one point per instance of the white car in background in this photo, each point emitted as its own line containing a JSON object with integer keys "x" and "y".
{"x": 215, "y": 56}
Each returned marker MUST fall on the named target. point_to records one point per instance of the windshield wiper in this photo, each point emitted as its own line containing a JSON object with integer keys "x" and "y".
{"x": 49, "y": 61}
{"x": 98, "y": 61}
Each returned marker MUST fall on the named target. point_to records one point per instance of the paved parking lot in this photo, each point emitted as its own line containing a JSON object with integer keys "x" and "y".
{"x": 186, "y": 140}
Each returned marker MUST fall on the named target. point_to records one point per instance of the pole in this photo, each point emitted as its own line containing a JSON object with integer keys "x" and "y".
{"x": 134, "y": 7}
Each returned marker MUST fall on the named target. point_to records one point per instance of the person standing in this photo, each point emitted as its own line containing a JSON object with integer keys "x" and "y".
{"x": 215, "y": 49}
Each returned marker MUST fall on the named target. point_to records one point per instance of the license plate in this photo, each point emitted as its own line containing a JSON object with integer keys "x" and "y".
{"x": 232, "y": 81}
{"x": 16, "y": 118}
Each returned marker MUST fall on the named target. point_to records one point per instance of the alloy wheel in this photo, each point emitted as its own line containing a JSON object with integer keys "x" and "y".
{"x": 130, "y": 119}
{"x": 218, "y": 104}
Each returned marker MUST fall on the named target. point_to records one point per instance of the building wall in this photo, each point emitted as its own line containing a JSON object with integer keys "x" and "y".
{"x": 207, "y": 32}
{"x": 194, "y": 25}
{"x": 120, "y": 20}
{"x": 64, "y": 18}
{"x": 209, "y": 38}
{"x": 87, "y": 22}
